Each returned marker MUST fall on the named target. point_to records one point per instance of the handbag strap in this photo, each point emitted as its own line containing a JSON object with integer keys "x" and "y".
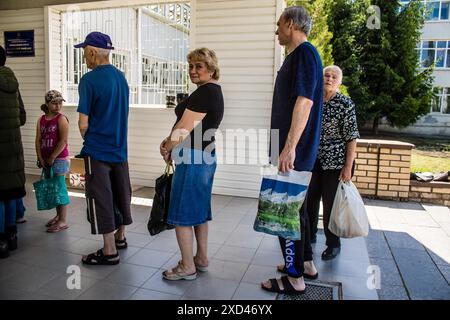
{"x": 168, "y": 166}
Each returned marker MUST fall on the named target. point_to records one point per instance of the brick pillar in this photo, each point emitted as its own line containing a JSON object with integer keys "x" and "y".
{"x": 383, "y": 168}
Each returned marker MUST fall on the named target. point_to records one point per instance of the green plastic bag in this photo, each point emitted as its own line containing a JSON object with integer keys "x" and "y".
{"x": 51, "y": 191}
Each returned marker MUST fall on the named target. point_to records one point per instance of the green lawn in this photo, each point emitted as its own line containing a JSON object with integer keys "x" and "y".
{"x": 431, "y": 154}
{"x": 421, "y": 162}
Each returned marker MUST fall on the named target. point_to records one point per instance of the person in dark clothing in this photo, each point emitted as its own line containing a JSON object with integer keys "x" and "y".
{"x": 12, "y": 166}
{"x": 335, "y": 160}
{"x": 296, "y": 114}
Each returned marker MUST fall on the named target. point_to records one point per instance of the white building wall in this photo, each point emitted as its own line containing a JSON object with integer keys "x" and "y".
{"x": 242, "y": 34}
{"x": 432, "y": 124}
{"x": 436, "y": 30}
{"x": 30, "y": 71}
{"x": 53, "y": 48}
{"x": 147, "y": 127}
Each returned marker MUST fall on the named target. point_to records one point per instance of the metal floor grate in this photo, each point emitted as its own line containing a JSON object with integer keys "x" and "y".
{"x": 317, "y": 290}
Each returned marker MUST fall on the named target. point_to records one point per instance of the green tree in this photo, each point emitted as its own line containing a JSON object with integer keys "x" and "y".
{"x": 320, "y": 35}
{"x": 346, "y": 21}
{"x": 380, "y": 63}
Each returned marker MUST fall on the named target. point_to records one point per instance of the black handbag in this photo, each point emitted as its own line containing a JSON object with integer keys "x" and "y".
{"x": 161, "y": 200}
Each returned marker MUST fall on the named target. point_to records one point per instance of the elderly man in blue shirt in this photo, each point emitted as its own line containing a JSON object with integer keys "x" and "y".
{"x": 103, "y": 122}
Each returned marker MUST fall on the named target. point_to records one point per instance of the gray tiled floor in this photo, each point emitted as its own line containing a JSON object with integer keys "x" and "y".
{"x": 240, "y": 259}
{"x": 410, "y": 245}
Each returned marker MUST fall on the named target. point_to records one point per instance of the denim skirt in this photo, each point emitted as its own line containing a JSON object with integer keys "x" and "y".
{"x": 190, "y": 197}
{"x": 61, "y": 166}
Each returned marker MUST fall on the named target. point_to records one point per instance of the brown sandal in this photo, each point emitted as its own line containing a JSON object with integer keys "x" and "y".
{"x": 177, "y": 273}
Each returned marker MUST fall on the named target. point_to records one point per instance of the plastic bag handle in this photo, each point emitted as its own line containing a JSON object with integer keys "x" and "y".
{"x": 341, "y": 185}
{"x": 43, "y": 173}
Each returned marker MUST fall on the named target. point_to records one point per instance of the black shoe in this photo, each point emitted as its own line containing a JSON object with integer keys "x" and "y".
{"x": 121, "y": 244}
{"x": 11, "y": 237}
{"x": 330, "y": 253}
{"x": 4, "y": 250}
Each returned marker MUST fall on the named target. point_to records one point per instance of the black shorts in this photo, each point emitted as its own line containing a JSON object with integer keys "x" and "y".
{"x": 108, "y": 195}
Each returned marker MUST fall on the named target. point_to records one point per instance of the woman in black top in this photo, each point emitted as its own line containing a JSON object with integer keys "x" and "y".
{"x": 191, "y": 145}
{"x": 334, "y": 162}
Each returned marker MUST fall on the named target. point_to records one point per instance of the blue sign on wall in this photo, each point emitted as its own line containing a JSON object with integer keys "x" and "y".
{"x": 19, "y": 43}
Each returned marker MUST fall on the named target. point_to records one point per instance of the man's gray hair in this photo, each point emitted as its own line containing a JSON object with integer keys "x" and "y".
{"x": 300, "y": 17}
{"x": 104, "y": 53}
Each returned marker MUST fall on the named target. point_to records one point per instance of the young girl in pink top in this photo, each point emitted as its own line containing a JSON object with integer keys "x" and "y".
{"x": 51, "y": 148}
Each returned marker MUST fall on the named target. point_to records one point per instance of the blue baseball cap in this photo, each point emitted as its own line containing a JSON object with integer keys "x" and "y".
{"x": 96, "y": 39}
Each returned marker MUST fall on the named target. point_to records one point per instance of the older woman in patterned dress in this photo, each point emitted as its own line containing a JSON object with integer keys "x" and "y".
{"x": 335, "y": 160}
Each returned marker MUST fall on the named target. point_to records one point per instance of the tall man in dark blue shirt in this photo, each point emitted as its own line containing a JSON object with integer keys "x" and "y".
{"x": 103, "y": 121}
{"x": 296, "y": 114}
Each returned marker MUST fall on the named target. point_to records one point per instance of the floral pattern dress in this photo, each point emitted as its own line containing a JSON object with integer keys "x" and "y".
{"x": 339, "y": 127}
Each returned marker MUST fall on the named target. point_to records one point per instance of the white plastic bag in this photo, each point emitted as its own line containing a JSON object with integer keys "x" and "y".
{"x": 348, "y": 217}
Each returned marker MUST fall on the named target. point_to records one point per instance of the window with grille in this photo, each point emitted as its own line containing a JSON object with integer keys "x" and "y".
{"x": 441, "y": 102}
{"x": 435, "y": 53}
{"x": 151, "y": 54}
